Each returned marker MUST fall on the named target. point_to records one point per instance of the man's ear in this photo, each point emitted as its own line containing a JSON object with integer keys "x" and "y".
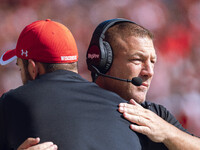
{"x": 32, "y": 69}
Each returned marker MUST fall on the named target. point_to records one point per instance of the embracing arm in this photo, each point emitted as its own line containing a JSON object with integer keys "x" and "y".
{"x": 157, "y": 129}
{"x": 179, "y": 140}
{"x": 28, "y": 144}
{"x": 32, "y": 144}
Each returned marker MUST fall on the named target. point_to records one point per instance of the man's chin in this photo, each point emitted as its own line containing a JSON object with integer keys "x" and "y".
{"x": 140, "y": 99}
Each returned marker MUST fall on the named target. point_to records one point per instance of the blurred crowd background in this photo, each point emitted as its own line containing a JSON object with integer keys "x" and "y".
{"x": 175, "y": 24}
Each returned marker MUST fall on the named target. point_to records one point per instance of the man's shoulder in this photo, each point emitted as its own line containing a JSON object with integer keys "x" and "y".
{"x": 94, "y": 90}
{"x": 21, "y": 91}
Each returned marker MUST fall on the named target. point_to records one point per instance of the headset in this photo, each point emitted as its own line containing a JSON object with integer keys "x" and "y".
{"x": 100, "y": 55}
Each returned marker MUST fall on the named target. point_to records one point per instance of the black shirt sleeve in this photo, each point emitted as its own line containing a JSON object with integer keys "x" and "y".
{"x": 164, "y": 114}
{"x": 167, "y": 116}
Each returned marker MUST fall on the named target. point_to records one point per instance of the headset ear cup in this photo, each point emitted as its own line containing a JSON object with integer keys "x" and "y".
{"x": 93, "y": 57}
{"x": 109, "y": 56}
{"x": 100, "y": 54}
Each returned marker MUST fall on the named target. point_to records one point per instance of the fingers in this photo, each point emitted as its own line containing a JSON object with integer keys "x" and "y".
{"x": 134, "y": 102}
{"x": 136, "y": 119}
{"x": 44, "y": 146}
{"x": 29, "y": 142}
{"x": 132, "y": 109}
{"x": 53, "y": 147}
{"x": 131, "y": 104}
{"x": 123, "y": 108}
{"x": 140, "y": 129}
{"x": 145, "y": 121}
{"x": 32, "y": 144}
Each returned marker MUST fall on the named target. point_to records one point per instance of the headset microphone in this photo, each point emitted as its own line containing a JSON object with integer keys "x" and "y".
{"x": 136, "y": 80}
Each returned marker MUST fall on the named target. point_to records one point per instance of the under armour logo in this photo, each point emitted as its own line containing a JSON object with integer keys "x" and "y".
{"x": 24, "y": 53}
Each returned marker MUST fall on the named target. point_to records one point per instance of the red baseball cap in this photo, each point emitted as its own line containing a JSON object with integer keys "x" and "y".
{"x": 44, "y": 41}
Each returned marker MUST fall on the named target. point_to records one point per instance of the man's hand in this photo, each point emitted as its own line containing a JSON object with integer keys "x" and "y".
{"x": 157, "y": 129}
{"x": 30, "y": 144}
{"x": 146, "y": 121}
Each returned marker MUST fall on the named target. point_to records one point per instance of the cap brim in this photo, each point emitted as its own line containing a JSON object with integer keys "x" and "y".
{"x": 8, "y": 57}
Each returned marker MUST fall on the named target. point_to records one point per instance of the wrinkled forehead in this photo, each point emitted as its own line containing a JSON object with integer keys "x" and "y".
{"x": 133, "y": 44}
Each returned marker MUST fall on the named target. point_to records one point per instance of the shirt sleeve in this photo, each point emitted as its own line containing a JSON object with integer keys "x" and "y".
{"x": 165, "y": 114}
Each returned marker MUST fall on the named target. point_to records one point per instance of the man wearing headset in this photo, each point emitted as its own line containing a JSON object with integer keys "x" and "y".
{"x": 126, "y": 50}
{"x": 122, "y": 49}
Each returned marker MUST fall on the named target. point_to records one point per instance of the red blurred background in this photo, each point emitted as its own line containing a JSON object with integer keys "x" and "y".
{"x": 175, "y": 24}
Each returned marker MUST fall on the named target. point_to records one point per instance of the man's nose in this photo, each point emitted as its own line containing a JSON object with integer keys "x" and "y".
{"x": 148, "y": 69}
